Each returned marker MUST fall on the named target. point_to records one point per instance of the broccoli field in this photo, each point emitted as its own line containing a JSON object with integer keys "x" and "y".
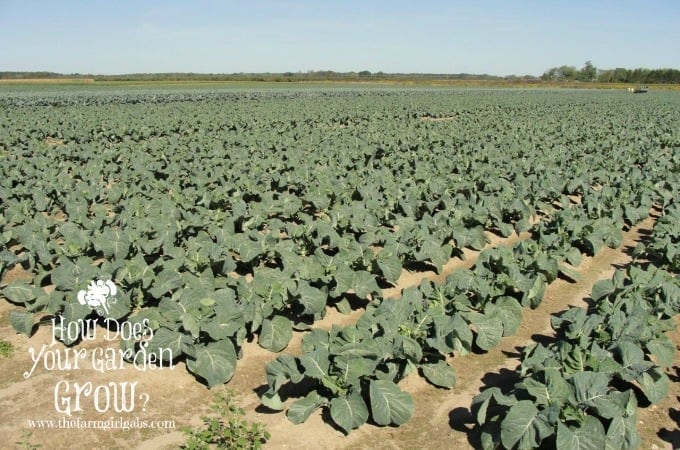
{"x": 364, "y": 266}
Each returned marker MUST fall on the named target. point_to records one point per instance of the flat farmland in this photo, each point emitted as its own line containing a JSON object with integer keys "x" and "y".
{"x": 362, "y": 267}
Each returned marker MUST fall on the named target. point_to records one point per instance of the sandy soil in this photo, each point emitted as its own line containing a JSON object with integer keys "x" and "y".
{"x": 442, "y": 418}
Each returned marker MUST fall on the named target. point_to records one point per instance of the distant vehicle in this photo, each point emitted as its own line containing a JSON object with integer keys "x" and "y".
{"x": 639, "y": 90}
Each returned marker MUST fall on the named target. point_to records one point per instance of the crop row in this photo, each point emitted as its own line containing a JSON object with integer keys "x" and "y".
{"x": 225, "y": 221}
{"x": 582, "y": 390}
{"x": 354, "y": 370}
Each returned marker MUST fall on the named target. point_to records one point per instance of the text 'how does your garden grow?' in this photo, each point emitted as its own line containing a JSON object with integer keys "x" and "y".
{"x": 103, "y": 397}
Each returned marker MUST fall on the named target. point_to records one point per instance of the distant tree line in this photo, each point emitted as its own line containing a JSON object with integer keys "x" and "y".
{"x": 311, "y": 75}
{"x": 590, "y": 73}
{"x": 42, "y": 75}
{"x": 639, "y": 76}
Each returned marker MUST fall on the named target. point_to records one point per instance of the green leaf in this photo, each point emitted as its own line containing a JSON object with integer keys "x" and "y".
{"x": 493, "y": 397}
{"x": 389, "y": 404}
{"x": 273, "y": 401}
{"x": 389, "y": 263}
{"x": 343, "y": 306}
{"x": 275, "y": 333}
{"x": 214, "y": 362}
{"x": 316, "y": 363}
{"x": 363, "y": 284}
{"x": 548, "y": 266}
{"x": 654, "y": 384}
{"x": 440, "y": 374}
{"x": 622, "y": 434}
{"x": 631, "y": 355}
{"x": 70, "y": 276}
{"x": 352, "y": 368}
{"x": 300, "y": 410}
{"x": 663, "y": 350}
{"x": 509, "y": 311}
{"x": 112, "y": 243}
{"x": 20, "y": 292}
{"x": 50, "y": 303}
{"x": 591, "y": 391}
{"x": 522, "y": 225}
{"x": 489, "y": 330}
{"x": 559, "y": 389}
{"x": 461, "y": 336}
{"x": 589, "y": 436}
{"x": 575, "y": 360}
{"x": 590, "y": 387}
{"x": 602, "y": 289}
{"x": 360, "y": 281}
{"x": 518, "y": 426}
{"x": 573, "y": 256}
{"x": 22, "y": 322}
{"x": 534, "y": 295}
{"x": 312, "y": 299}
{"x": 438, "y": 253}
{"x": 349, "y": 412}
{"x": 410, "y": 348}
{"x": 440, "y": 339}
{"x": 506, "y": 229}
{"x": 279, "y": 371}
{"x": 570, "y": 273}
{"x": 594, "y": 244}
{"x": 226, "y": 323}
{"x": 555, "y": 390}
{"x": 166, "y": 281}
{"x": 538, "y": 390}
{"x": 191, "y": 324}
{"x": 472, "y": 237}
{"x": 136, "y": 270}
{"x": 166, "y": 344}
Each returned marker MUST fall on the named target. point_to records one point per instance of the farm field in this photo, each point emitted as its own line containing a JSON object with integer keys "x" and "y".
{"x": 364, "y": 267}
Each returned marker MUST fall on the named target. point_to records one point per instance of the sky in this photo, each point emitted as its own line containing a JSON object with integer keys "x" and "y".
{"x": 514, "y": 37}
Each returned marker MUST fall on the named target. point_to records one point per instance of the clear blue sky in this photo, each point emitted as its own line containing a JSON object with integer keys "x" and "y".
{"x": 211, "y": 36}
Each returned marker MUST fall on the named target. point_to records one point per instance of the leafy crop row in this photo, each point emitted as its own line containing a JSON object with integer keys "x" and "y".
{"x": 582, "y": 390}
{"x": 229, "y": 216}
{"x": 186, "y": 250}
{"x": 471, "y": 311}
{"x": 663, "y": 248}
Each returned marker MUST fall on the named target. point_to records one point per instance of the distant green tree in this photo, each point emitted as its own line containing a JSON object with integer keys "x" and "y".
{"x": 549, "y": 74}
{"x": 569, "y": 73}
{"x": 588, "y": 72}
{"x": 621, "y": 75}
{"x": 561, "y": 73}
